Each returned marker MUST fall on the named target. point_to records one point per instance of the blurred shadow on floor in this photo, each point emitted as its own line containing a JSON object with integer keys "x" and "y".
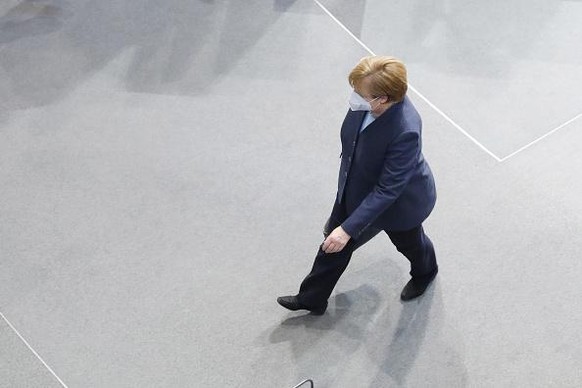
{"x": 176, "y": 47}
{"x": 30, "y": 18}
{"x": 321, "y": 344}
{"x": 397, "y": 355}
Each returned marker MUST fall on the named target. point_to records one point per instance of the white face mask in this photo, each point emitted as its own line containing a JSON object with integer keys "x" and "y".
{"x": 358, "y": 102}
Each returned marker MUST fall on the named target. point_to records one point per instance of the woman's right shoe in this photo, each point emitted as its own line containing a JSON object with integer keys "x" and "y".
{"x": 415, "y": 288}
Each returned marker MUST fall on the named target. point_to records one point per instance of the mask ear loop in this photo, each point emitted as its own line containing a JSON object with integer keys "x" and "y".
{"x": 374, "y": 99}
{"x": 388, "y": 99}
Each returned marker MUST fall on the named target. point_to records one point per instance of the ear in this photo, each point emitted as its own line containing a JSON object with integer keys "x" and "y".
{"x": 385, "y": 99}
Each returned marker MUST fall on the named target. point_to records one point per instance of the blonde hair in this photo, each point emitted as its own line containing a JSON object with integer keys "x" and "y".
{"x": 387, "y": 76}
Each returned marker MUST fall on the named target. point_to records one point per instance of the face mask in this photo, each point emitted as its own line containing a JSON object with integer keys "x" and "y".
{"x": 358, "y": 102}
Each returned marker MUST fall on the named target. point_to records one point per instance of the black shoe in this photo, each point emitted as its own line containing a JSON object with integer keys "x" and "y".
{"x": 292, "y": 303}
{"x": 415, "y": 288}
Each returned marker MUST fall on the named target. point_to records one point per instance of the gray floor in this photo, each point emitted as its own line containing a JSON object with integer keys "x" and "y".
{"x": 166, "y": 167}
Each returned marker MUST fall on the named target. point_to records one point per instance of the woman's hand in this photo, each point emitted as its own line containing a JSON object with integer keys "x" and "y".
{"x": 336, "y": 241}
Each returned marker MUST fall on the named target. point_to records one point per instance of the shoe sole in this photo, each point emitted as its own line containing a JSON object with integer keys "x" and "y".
{"x": 294, "y": 308}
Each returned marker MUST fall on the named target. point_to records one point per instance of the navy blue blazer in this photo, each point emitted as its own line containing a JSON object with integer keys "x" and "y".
{"x": 384, "y": 180}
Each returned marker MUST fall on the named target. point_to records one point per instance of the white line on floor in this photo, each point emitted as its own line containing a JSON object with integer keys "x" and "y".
{"x": 542, "y": 137}
{"x": 446, "y": 117}
{"x": 344, "y": 27}
{"x": 440, "y": 112}
{"x": 32, "y": 350}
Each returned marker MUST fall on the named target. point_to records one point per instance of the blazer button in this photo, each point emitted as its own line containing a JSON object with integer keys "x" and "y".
{"x": 345, "y": 173}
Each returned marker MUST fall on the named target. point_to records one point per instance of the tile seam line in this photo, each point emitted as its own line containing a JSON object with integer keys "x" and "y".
{"x": 434, "y": 107}
{"x": 32, "y": 350}
{"x": 542, "y": 137}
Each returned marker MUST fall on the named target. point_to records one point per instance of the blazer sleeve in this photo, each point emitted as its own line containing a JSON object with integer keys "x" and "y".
{"x": 399, "y": 166}
{"x": 337, "y": 216}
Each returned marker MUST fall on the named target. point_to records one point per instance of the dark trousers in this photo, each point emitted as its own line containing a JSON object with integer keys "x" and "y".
{"x": 414, "y": 244}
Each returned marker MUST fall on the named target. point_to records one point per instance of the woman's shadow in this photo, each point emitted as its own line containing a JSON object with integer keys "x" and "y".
{"x": 396, "y": 358}
{"x": 319, "y": 345}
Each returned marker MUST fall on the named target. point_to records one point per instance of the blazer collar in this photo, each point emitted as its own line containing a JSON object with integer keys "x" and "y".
{"x": 355, "y": 118}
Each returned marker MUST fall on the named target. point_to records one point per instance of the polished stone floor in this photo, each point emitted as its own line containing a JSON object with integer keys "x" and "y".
{"x": 166, "y": 168}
